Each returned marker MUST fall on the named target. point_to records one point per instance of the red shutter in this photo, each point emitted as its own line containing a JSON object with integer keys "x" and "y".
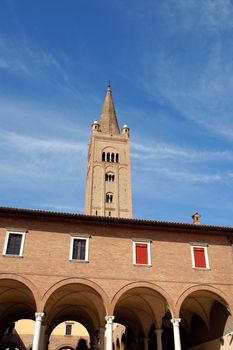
{"x": 199, "y": 257}
{"x": 141, "y": 253}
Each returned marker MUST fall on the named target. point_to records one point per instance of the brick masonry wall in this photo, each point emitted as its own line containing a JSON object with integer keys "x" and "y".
{"x": 45, "y": 259}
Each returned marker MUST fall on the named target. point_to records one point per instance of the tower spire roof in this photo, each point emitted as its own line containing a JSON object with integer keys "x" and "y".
{"x": 108, "y": 120}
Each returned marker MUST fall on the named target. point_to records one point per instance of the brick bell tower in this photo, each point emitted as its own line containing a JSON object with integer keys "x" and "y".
{"x": 108, "y": 182}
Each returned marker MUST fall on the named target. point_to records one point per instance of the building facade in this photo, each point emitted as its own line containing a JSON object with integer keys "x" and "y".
{"x": 133, "y": 284}
{"x": 164, "y": 282}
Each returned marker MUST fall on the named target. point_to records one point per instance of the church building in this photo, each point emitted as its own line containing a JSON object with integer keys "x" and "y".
{"x": 133, "y": 284}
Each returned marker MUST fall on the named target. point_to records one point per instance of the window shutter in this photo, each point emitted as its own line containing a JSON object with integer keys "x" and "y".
{"x": 141, "y": 253}
{"x": 199, "y": 257}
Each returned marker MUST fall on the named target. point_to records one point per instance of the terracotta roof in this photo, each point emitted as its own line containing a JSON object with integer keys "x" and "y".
{"x": 104, "y": 219}
{"x": 108, "y": 120}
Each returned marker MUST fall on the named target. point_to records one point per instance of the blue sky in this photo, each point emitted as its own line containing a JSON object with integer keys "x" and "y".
{"x": 171, "y": 67}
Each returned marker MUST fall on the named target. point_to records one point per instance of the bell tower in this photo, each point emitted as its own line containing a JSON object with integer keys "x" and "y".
{"x": 108, "y": 181}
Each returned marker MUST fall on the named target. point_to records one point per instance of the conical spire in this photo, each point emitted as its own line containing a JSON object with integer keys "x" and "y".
{"x": 108, "y": 120}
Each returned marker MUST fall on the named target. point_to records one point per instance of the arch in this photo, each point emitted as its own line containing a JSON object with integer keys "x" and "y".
{"x": 64, "y": 346}
{"x": 75, "y": 299}
{"x": 27, "y": 283}
{"x": 140, "y": 305}
{"x": 204, "y": 312}
{"x": 17, "y": 300}
{"x": 148, "y": 285}
{"x": 202, "y": 288}
{"x": 109, "y": 176}
{"x": 109, "y": 149}
{"x": 83, "y": 281}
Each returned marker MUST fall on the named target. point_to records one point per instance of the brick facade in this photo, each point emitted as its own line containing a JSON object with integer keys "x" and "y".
{"x": 45, "y": 280}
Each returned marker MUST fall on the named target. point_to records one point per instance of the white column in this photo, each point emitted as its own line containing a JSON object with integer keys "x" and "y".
{"x": 176, "y": 332}
{"x": 36, "y": 339}
{"x": 101, "y": 337}
{"x": 109, "y": 325}
{"x": 158, "y": 333}
{"x": 146, "y": 340}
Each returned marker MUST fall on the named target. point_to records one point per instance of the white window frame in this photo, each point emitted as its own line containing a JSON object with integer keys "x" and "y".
{"x": 18, "y": 232}
{"x": 205, "y": 247}
{"x": 142, "y": 241}
{"x": 84, "y": 237}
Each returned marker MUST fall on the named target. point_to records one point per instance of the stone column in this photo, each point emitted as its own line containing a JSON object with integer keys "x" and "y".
{"x": 96, "y": 340}
{"x": 36, "y": 339}
{"x": 176, "y": 332}
{"x": 146, "y": 340}
{"x": 158, "y": 333}
{"x": 109, "y": 324}
{"x": 101, "y": 337}
{"x": 43, "y": 338}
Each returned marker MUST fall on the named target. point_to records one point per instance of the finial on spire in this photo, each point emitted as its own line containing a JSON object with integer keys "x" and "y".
{"x": 109, "y": 85}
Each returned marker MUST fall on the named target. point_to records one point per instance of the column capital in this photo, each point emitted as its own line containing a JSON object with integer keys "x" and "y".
{"x": 175, "y": 321}
{"x": 39, "y": 316}
{"x": 109, "y": 319}
{"x": 158, "y": 331}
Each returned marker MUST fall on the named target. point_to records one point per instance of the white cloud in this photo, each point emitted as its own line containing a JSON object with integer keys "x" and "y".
{"x": 163, "y": 150}
{"x": 189, "y": 177}
{"x": 3, "y": 64}
{"x": 31, "y": 63}
{"x": 31, "y": 144}
{"x": 211, "y": 15}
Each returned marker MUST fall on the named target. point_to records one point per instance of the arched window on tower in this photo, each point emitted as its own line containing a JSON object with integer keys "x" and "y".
{"x": 109, "y": 177}
{"x": 109, "y": 198}
{"x": 110, "y": 157}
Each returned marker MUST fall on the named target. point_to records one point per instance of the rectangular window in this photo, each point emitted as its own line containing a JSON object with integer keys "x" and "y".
{"x": 199, "y": 256}
{"x": 14, "y": 243}
{"x": 141, "y": 252}
{"x": 79, "y": 247}
{"x": 68, "y": 330}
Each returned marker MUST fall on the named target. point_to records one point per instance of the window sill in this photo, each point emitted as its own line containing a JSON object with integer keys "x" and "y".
{"x": 12, "y": 256}
{"x": 79, "y": 261}
{"x": 201, "y": 268}
{"x": 142, "y": 265}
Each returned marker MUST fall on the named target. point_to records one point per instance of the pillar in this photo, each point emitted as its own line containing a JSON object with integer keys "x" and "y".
{"x": 96, "y": 340}
{"x": 146, "y": 340}
{"x": 176, "y": 332}
{"x": 44, "y": 338}
{"x": 158, "y": 333}
{"x": 36, "y": 339}
{"x": 101, "y": 337}
{"x": 109, "y": 325}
